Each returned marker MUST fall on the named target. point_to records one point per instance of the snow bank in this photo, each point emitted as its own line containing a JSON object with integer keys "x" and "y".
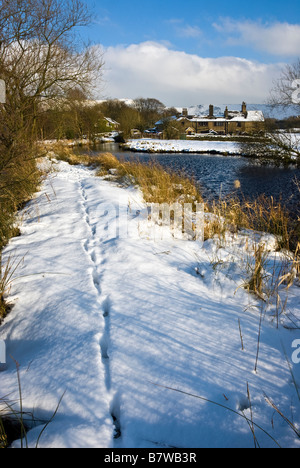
{"x": 182, "y": 146}
{"x": 111, "y": 322}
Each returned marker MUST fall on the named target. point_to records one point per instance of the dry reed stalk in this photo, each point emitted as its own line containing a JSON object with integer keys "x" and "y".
{"x": 157, "y": 184}
{"x": 6, "y": 278}
{"x": 255, "y": 283}
{"x": 241, "y": 336}
{"x": 287, "y": 420}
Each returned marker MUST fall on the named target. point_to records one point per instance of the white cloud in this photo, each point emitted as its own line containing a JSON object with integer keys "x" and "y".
{"x": 281, "y": 39}
{"x": 184, "y": 30}
{"x": 151, "y": 69}
{"x": 189, "y": 31}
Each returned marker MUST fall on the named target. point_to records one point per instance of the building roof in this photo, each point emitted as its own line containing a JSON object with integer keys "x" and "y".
{"x": 111, "y": 121}
{"x": 252, "y": 116}
{"x": 201, "y": 114}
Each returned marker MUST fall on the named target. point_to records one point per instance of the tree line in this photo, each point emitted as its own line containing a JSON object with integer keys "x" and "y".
{"x": 77, "y": 117}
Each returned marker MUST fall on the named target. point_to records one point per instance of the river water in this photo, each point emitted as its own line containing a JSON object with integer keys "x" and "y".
{"x": 217, "y": 174}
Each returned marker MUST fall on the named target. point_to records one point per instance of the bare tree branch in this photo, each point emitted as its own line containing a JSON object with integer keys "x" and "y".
{"x": 283, "y": 94}
{"x": 41, "y": 59}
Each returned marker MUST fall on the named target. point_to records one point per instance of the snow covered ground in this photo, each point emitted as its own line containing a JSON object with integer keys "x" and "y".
{"x": 130, "y": 329}
{"x": 199, "y": 146}
{"x": 180, "y": 146}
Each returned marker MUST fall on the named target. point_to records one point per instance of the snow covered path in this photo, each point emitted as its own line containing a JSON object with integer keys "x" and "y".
{"x": 109, "y": 321}
{"x": 56, "y": 327}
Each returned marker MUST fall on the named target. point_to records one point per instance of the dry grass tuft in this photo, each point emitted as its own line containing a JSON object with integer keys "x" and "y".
{"x": 263, "y": 214}
{"x": 107, "y": 161}
{"x": 157, "y": 184}
{"x": 6, "y": 277}
{"x": 256, "y": 281}
{"x": 19, "y": 179}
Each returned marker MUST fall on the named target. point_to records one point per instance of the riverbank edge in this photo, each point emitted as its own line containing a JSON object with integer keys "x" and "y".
{"x": 212, "y": 152}
{"x": 266, "y": 159}
{"x": 263, "y": 159}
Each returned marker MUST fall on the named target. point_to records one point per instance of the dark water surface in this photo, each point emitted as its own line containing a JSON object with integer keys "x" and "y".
{"x": 217, "y": 174}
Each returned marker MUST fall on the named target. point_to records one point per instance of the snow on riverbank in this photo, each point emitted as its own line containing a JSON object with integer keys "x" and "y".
{"x": 109, "y": 320}
{"x": 183, "y": 146}
{"x": 232, "y": 148}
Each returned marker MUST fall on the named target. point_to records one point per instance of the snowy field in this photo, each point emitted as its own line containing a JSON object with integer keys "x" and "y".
{"x": 130, "y": 329}
{"x": 182, "y": 146}
{"x": 200, "y": 146}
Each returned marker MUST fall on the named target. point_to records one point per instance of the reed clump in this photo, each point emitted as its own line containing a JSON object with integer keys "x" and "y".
{"x": 255, "y": 283}
{"x": 161, "y": 186}
{"x": 157, "y": 184}
{"x": 7, "y": 271}
{"x": 263, "y": 214}
{"x": 106, "y": 162}
{"x": 63, "y": 152}
{"x": 19, "y": 179}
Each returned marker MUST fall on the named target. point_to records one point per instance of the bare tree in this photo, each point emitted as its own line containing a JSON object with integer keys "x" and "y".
{"x": 41, "y": 60}
{"x": 280, "y": 146}
{"x": 39, "y": 56}
{"x": 150, "y": 110}
{"x": 285, "y": 93}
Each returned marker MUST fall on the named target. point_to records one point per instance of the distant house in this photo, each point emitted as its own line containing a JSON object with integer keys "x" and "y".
{"x": 135, "y": 133}
{"x": 231, "y": 122}
{"x": 111, "y": 124}
{"x": 189, "y": 131}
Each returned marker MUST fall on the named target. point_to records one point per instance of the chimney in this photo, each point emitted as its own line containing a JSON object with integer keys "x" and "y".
{"x": 211, "y": 112}
{"x": 244, "y": 109}
{"x": 226, "y": 113}
{"x": 185, "y": 112}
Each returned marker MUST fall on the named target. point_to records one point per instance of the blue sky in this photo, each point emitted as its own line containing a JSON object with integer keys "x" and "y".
{"x": 149, "y": 46}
